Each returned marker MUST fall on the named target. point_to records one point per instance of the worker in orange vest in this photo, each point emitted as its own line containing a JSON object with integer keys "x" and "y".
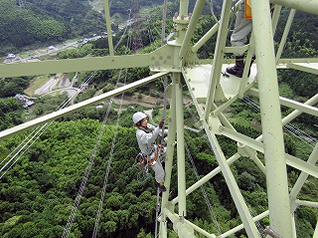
{"x": 240, "y": 35}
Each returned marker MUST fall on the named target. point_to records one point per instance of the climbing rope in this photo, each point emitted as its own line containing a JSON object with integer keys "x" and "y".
{"x": 207, "y": 201}
{"x": 102, "y": 198}
{"x": 103, "y": 192}
{"x": 164, "y": 16}
{"x": 86, "y": 176}
{"x": 161, "y": 143}
{"x": 88, "y": 169}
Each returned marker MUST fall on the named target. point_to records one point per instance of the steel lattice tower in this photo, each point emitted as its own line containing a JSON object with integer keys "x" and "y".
{"x": 212, "y": 94}
{"x": 136, "y": 27}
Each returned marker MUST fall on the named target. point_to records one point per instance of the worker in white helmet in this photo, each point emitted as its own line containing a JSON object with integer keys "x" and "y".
{"x": 146, "y": 135}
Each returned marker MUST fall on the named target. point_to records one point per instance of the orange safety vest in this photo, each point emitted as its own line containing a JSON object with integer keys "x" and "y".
{"x": 247, "y": 9}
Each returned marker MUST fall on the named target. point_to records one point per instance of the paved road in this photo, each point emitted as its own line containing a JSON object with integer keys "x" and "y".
{"x": 50, "y": 50}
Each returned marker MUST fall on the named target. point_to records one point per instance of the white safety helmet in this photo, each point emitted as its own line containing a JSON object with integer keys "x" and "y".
{"x": 138, "y": 116}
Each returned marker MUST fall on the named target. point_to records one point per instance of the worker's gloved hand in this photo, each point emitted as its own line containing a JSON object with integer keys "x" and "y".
{"x": 161, "y": 123}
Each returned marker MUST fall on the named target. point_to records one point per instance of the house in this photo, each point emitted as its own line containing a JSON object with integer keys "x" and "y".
{"x": 26, "y": 102}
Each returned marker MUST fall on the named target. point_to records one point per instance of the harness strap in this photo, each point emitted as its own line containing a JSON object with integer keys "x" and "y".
{"x": 151, "y": 162}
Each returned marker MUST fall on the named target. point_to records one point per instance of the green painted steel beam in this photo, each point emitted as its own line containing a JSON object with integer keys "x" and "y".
{"x": 274, "y": 151}
{"x": 240, "y": 227}
{"x": 259, "y": 146}
{"x": 237, "y": 197}
{"x": 194, "y": 21}
{"x": 316, "y": 231}
{"x": 285, "y": 34}
{"x": 73, "y": 65}
{"x": 297, "y": 60}
{"x": 199, "y": 230}
{"x": 206, "y": 178}
{"x": 180, "y": 146}
{"x": 108, "y": 28}
{"x": 306, "y": 107}
{"x": 218, "y": 56}
{"x": 310, "y": 6}
{"x": 306, "y": 203}
{"x": 179, "y": 225}
{"x": 311, "y": 68}
{"x": 168, "y": 160}
{"x": 303, "y": 176}
{"x": 303, "y": 166}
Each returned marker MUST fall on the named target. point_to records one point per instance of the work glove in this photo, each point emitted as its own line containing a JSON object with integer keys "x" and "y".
{"x": 161, "y": 123}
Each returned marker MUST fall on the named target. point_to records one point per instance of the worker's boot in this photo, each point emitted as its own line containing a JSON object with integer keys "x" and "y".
{"x": 161, "y": 187}
{"x": 237, "y": 69}
{"x": 249, "y": 69}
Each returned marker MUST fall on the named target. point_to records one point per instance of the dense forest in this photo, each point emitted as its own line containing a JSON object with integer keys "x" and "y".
{"x": 37, "y": 194}
{"x": 35, "y": 23}
{"x": 45, "y": 22}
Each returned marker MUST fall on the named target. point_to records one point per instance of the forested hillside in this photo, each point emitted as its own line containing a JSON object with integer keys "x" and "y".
{"x": 37, "y": 194}
{"x": 45, "y": 22}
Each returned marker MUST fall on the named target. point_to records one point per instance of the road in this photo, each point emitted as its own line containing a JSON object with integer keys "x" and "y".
{"x": 35, "y": 55}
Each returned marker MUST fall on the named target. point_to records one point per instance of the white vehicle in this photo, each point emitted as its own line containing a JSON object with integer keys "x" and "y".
{"x": 51, "y": 47}
{"x": 11, "y": 56}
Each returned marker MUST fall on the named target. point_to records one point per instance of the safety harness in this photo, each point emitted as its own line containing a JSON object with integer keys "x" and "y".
{"x": 154, "y": 159}
{"x": 145, "y": 158}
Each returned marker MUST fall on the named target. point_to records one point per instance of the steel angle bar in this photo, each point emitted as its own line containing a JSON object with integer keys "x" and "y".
{"x": 302, "y": 107}
{"x": 238, "y": 199}
{"x": 310, "y": 6}
{"x": 297, "y": 60}
{"x": 316, "y": 230}
{"x": 240, "y": 227}
{"x": 305, "y": 67}
{"x": 218, "y": 56}
{"x": 180, "y": 146}
{"x": 206, "y": 178}
{"x": 306, "y": 203}
{"x": 205, "y": 38}
{"x": 179, "y": 225}
{"x": 169, "y": 160}
{"x": 306, "y": 108}
{"x": 54, "y": 115}
{"x": 200, "y": 230}
{"x": 253, "y": 143}
{"x": 193, "y": 22}
{"x": 285, "y": 34}
{"x": 108, "y": 28}
{"x": 243, "y": 139}
{"x": 73, "y": 65}
{"x": 302, "y": 165}
{"x": 303, "y": 176}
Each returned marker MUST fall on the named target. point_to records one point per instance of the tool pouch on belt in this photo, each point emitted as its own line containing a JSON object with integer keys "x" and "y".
{"x": 152, "y": 160}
